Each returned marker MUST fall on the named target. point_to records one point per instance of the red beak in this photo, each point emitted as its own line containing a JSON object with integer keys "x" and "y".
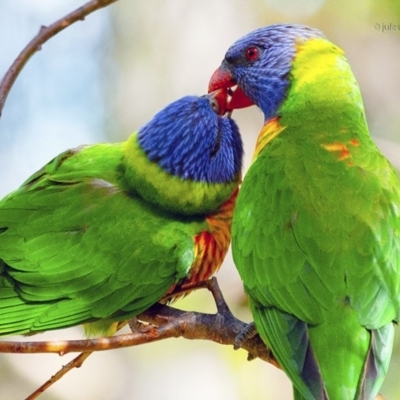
{"x": 228, "y": 99}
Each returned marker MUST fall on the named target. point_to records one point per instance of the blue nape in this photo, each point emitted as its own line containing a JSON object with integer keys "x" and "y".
{"x": 188, "y": 139}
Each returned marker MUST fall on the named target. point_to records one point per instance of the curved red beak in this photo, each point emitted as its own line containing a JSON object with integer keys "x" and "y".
{"x": 228, "y": 99}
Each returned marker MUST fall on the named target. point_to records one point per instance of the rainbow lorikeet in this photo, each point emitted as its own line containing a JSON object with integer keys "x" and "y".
{"x": 316, "y": 228}
{"x": 104, "y": 231}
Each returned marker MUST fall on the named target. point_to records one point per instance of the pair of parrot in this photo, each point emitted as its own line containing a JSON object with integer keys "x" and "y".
{"x": 102, "y": 232}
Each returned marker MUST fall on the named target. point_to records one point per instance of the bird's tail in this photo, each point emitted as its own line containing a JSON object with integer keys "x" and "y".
{"x": 298, "y": 396}
{"x": 377, "y": 361}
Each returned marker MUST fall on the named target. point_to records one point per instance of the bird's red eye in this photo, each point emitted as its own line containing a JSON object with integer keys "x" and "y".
{"x": 252, "y": 53}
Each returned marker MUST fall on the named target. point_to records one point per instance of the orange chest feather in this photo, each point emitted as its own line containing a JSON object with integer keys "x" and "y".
{"x": 270, "y": 130}
{"x": 212, "y": 245}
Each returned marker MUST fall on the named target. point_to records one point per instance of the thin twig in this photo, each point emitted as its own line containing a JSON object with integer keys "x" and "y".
{"x": 75, "y": 363}
{"x": 45, "y": 33}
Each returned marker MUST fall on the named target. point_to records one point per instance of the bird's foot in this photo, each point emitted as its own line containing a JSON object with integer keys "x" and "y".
{"x": 209, "y": 284}
{"x": 245, "y": 334}
{"x": 213, "y": 287}
{"x": 138, "y": 326}
{"x": 134, "y": 325}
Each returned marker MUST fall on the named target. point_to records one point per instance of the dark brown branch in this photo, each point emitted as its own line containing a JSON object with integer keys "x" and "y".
{"x": 45, "y": 33}
{"x": 164, "y": 322}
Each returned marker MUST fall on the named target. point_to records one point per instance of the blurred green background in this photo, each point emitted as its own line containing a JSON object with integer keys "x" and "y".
{"x": 103, "y": 78}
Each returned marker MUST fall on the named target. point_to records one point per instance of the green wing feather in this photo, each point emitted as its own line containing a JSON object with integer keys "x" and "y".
{"x": 76, "y": 247}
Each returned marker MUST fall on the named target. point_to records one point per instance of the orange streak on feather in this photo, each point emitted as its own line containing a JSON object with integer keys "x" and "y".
{"x": 212, "y": 245}
{"x": 341, "y": 148}
{"x": 269, "y": 131}
{"x": 354, "y": 142}
{"x": 210, "y": 248}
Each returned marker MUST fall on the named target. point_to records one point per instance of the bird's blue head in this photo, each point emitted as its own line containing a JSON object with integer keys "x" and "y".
{"x": 190, "y": 140}
{"x": 259, "y": 64}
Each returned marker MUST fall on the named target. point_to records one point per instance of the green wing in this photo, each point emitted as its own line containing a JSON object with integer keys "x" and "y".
{"x": 319, "y": 257}
{"x": 75, "y": 247}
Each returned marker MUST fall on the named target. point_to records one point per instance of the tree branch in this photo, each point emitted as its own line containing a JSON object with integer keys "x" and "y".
{"x": 164, "y": 322}
{"x": 45, "y": 33}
